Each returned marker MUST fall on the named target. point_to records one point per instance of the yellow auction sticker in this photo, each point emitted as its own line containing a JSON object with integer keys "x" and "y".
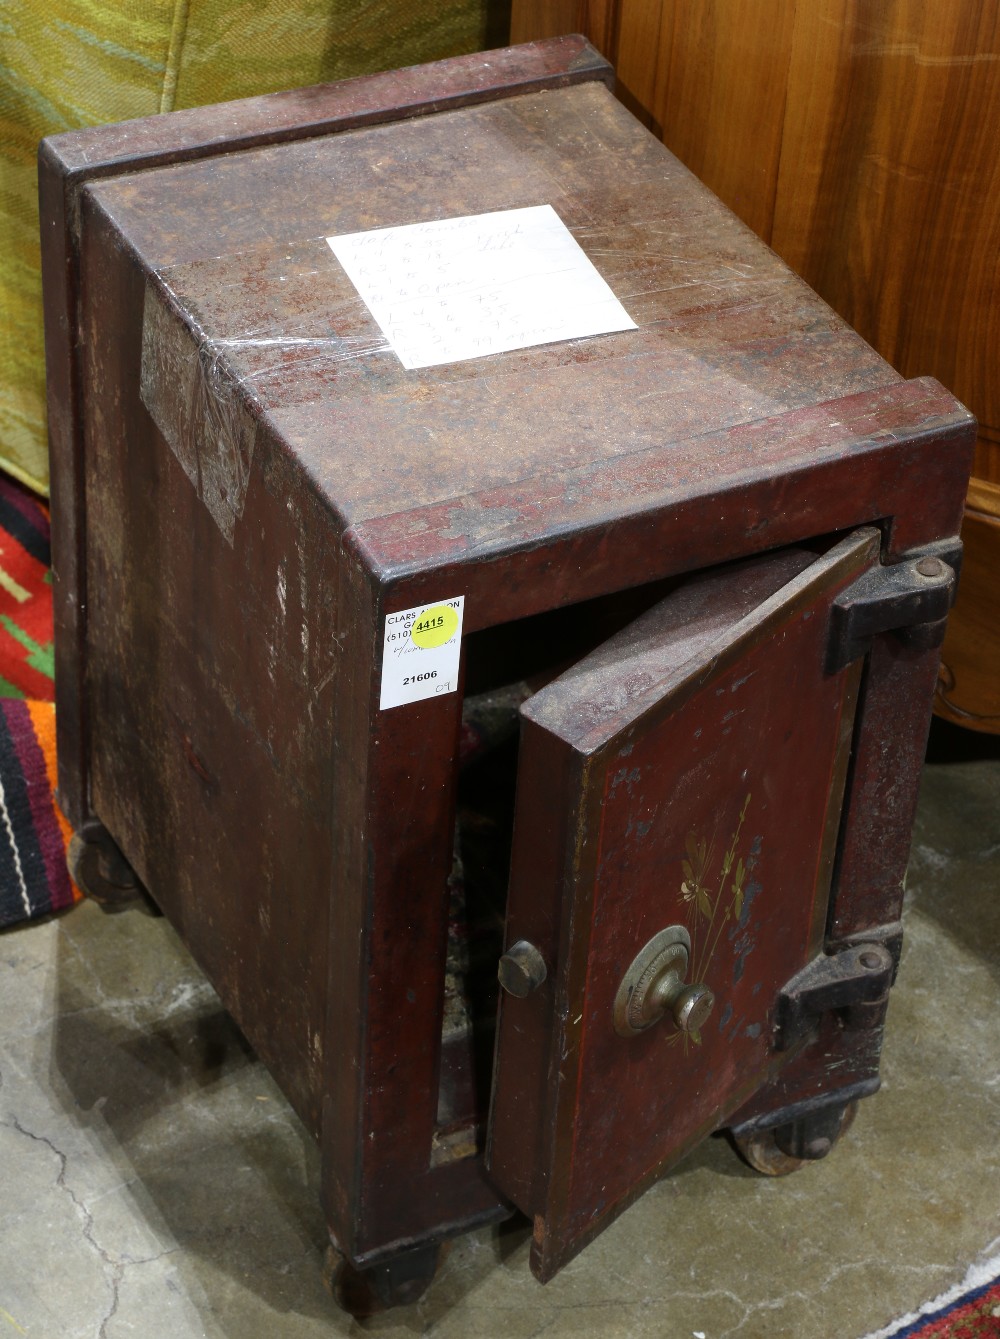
{"x": 434, "y": 627}
{"x": 421, "y": 652}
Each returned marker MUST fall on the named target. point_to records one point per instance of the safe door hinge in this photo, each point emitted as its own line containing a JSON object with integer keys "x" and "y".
{"x": 910, "y": 598}
{"x": 854, "y": 981}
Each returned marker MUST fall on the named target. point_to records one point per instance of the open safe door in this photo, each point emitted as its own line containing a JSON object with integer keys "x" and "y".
{"x": 678, "y": 806}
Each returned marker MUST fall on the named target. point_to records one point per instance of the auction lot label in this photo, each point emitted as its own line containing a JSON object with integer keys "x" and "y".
{"x": 421, "y": 652}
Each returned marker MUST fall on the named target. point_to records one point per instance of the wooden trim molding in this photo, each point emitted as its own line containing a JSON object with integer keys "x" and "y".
{"x": 968, "y": 688}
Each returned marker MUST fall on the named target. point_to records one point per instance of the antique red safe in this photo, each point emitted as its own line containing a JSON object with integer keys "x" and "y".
{"x": 702, "y": 567}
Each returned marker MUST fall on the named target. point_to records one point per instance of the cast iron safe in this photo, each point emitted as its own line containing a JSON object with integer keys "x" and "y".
{"x": 707, "y": 559}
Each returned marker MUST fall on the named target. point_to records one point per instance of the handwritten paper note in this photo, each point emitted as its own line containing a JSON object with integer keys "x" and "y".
{"x": 485, "y": 283}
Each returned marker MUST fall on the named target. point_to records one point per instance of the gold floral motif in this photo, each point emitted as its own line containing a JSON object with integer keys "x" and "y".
{"x": 713, "y": 901}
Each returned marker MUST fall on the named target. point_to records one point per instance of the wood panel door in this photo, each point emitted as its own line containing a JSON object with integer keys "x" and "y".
{"x": 860, "y": 141}
{"x": 679, "y": 802}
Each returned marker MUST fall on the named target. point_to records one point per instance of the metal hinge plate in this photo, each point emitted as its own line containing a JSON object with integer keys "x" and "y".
{"x": 854, "y": 980}
{"x": 910, "y": 598}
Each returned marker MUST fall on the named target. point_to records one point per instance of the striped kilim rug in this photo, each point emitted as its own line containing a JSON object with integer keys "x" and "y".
{"x": 33, "y": 833}
{"x": 971, "y": 1310}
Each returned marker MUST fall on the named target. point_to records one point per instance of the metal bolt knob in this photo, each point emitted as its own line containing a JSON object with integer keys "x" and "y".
{"x": 521, "y": 969}
{"x": 690, "y": 1006}
{"x": 654, "y": 987}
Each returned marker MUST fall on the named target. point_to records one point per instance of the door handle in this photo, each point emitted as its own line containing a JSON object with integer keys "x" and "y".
{"x": 521, "y": 969}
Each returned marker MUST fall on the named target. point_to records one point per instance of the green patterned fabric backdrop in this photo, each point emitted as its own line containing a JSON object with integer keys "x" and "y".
{"x": 70, "y": 63}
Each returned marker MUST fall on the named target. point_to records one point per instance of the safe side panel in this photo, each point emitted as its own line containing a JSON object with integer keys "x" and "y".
{"x": 717, "y": 816}
{"x": 211, "y": 666}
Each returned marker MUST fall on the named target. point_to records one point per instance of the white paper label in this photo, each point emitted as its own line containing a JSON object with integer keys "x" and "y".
{"x": 486, "y": 283}
{"x": 421, "y": 652}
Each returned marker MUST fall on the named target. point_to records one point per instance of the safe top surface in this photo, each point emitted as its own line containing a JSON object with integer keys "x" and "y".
{"x": 235, "y": 246}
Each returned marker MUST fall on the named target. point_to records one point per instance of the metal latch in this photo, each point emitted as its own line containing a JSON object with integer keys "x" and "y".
{"x": 910, "y": 598}
{"x": 854, "y": 980}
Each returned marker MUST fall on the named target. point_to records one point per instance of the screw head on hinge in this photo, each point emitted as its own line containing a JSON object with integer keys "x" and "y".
{"x": 930, "y": 567}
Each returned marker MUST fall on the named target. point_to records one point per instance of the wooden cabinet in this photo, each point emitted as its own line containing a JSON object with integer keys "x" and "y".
{"x": 703, "y": 565}
{"x": 860, "y": 141}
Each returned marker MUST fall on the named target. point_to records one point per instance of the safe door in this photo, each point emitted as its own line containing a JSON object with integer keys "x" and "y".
{"x": 678, "y": 803}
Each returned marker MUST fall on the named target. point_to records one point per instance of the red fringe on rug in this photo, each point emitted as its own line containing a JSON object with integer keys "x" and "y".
{"x": 969, "y": 1311}
{"x": 974, "y": 1316}
{"x": 33, "y": 833}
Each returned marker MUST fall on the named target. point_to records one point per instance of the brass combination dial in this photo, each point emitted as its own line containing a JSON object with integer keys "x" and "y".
{"x": 654, "y": 988}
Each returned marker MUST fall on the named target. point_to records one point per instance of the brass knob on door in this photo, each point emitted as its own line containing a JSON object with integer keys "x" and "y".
{"x": 654, "y": 987}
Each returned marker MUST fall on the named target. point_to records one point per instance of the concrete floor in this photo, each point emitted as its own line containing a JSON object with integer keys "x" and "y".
{"x": 154, "y": 1183}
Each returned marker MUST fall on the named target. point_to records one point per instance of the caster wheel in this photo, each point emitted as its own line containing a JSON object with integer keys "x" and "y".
{"x": 101, "y": 872}
{"x": 399, "y": 1281}
{"x": 766, "y": 1151}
